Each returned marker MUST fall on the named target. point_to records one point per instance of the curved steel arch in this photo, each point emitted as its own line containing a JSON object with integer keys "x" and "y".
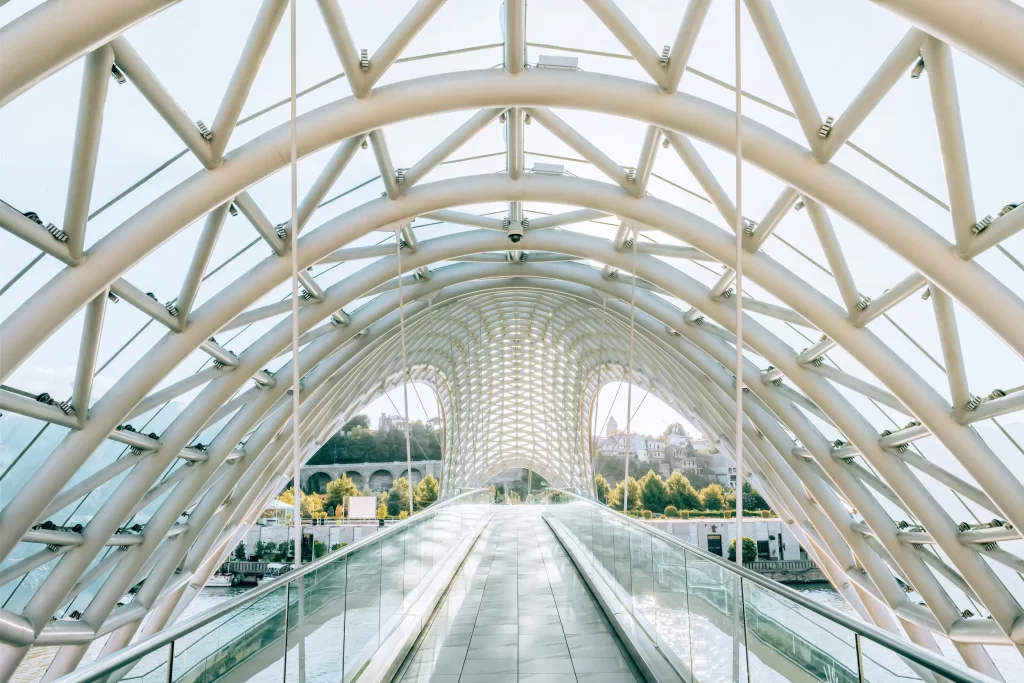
{"x": 843, "y": 510}
{"x": 535, "y": 236}
{"x": 975, "y": 288}
{"x": 923, "y": 401}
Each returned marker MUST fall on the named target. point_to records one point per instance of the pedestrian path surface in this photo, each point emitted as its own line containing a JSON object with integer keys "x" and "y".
{"x": 518, "y": 611}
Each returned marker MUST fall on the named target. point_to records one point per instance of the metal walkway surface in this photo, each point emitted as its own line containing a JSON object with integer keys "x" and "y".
{"x": 518, "y": 611}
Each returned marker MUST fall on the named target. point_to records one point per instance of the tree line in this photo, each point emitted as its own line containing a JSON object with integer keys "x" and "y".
{"x": 673, "y": 497}
{"x": 390, "y": 503}
{"x": 356, "y": 442}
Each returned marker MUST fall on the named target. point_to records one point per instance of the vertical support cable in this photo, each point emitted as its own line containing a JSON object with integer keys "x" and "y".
{"x": 455, "y": 399}
{"x": 293, "y": 248}
{"x": 405, "y": 366}
{"x": 738, "y": 436}
{"x": 597, "y": 395}
{"x": 629, "y": 375}
{"x": 738, "y": 443}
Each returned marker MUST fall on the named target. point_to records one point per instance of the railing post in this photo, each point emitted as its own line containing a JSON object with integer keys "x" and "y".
{"x": 284, "y": 658}
{"x": 170, "y": 662}
{"x": 860, "y": 657}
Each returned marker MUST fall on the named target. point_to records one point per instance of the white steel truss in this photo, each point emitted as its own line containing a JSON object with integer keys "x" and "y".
{"x": 918, "y": 526}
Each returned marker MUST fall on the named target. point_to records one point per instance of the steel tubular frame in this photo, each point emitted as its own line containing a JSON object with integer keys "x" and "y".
{"x": 458, "y": 317}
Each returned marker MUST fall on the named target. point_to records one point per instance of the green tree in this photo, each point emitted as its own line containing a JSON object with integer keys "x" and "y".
{"x": 681, "y": 492}
{"x": 752, "y": 500}
{"x": 361, "y": 420}
{"x": 671, "y": 511}
{"x": 653, "y": 492}
{"x": 513, "y": 497}
{"x": 712, "y": 497}
{"x": 309, "y": 506}
{"x": 319, "y": 549}
{"x": 426, "y": 491}
{"x": 338, "y": 490}
{"x": 261, "y": 549}
{"x": 382, "y": 511}
{"x": 749, "y": 550}
{"x": 398, "y": 496}
{"x": 240, "y": 551}
{"x": 635, "y": 496}
{"x": 601, "y": 487}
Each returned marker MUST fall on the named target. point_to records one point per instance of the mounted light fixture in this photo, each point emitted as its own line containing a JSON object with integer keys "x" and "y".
{"x": 203, "y": 130}
{"x": 826, "y": 128}
{"x": 558, "y": 62}
{"x": 57, "y": 233}
{"x": 918, "y": 69}
{"x": 117, "y": 75}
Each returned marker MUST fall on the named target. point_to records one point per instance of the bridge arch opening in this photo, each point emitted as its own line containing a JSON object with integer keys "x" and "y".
{"x": 317, "y": 482}
{"x": 381, "y": 480}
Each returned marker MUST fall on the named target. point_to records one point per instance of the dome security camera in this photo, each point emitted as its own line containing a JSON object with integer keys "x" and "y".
{"x": 516, "y": 229}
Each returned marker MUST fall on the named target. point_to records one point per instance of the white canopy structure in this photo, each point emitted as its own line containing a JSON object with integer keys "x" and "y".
{"x": 144, "y": 344}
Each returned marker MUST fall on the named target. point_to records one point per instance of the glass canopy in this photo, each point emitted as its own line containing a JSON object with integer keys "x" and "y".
{"x": 145, "y": 277}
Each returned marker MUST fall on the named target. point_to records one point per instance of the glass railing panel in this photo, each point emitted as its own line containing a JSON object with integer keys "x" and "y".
{"x": 210, "y": 653}
{"x": 152, "y": 668}
{"x": 318, "y": 629}
{"x": 641, "y": 567}
{"x": 707, "y": 612}
{"x": 672, "y": 615}
{"x": 881, "y": 665}
{"x": 784, "y": 637}
{"x": 294, "y": 647}
{"x": 621, "y": 559}
{"x": 392, "y": 579}
{"x": 362, "y": 608}
{"x": 716, "y": 621}
{"x": 329, "y": 613}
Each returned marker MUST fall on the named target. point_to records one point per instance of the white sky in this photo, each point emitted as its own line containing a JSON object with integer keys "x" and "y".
{"x": 837, "y": 51}
{"x": 651, "y": 417}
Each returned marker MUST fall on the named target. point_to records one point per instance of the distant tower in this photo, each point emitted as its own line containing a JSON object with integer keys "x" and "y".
{"x": 613, "y": 427}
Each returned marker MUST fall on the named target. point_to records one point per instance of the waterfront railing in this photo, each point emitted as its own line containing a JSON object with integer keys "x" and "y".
{"x": 340, "y": 609}
{"x": 716, "y": 621}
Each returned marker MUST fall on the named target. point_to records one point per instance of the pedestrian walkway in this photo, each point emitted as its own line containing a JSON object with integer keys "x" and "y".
{"x": 518, "y": 611}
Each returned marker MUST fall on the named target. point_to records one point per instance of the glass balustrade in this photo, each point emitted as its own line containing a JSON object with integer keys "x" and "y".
{"x": 322, "y": 622}
{"x": 716, "y": 623}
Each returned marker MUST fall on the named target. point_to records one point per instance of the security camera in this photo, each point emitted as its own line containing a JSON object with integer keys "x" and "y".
{"x": 515, "y": 229}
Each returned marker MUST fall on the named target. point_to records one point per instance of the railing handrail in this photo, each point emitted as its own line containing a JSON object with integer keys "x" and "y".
{"x": 158, "y": 640}
{"x": 926, "y": 658}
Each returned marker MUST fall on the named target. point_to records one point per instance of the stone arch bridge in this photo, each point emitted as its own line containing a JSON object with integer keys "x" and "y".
{"x": 377, "y": 475}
